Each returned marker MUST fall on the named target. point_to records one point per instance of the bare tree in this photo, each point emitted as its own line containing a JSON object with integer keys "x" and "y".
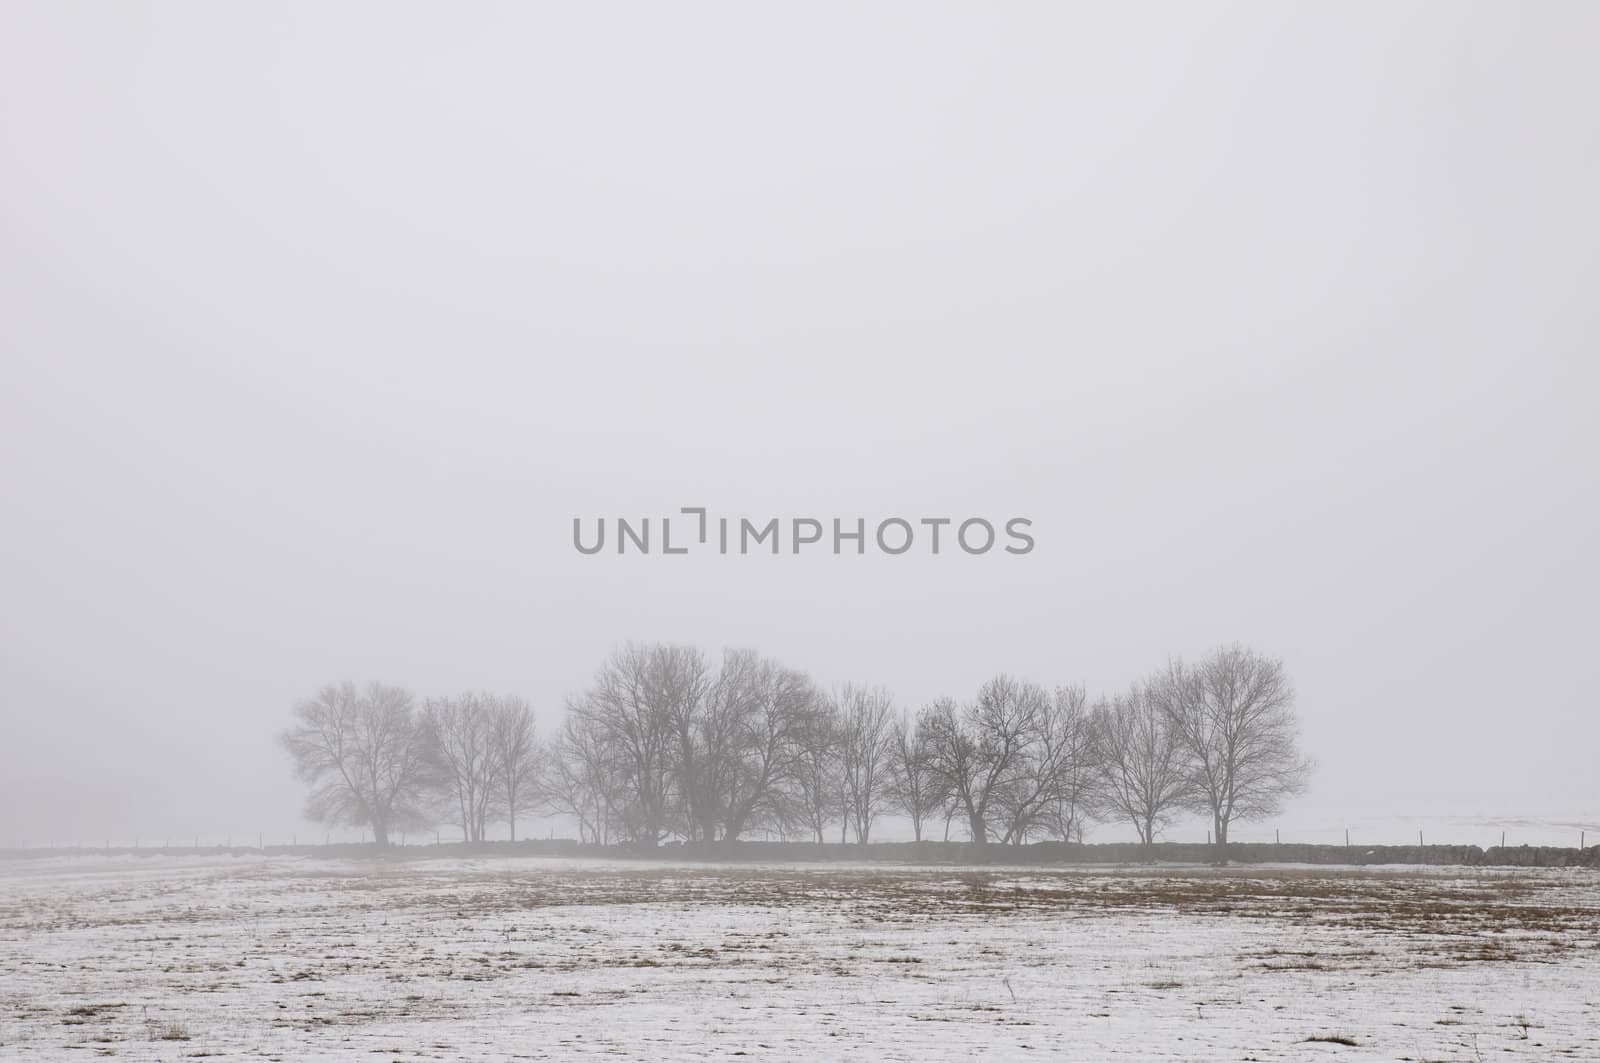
{"x": 1234, "y": 714}
{"x": 515, "y": 751}
{"x": 582, "y": 778}
{"x": 640, "y": 700}
{"x": 1143, "y": 769}
{"x": 1047, "y": 792}
{"x": 866, "y": 720}
{"x": 364, "y": 757}
{"x": 914, "y": 785}
{"x": 461, "y": 745}
{"x": 1074, "y": 799}
{"x": 708, "y": 731}
{"x": 812, "y": 799}
{"x": 771, "y": 711}
{"x": 677, "y": 749}
{"x": 955, "y": 761}
{"x": 680, "y": 681}
{"x": 978, "y": 752}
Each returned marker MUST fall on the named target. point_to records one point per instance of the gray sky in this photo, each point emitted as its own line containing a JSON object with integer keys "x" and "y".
{"x": 320, "y": 323}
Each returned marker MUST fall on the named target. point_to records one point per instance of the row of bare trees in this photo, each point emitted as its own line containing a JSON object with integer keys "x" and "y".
{"x": 663, "y": 743}
{"x": 374, "y": 758}
{"x": 1217, "y": 739}
{"x": 668, "y": 743}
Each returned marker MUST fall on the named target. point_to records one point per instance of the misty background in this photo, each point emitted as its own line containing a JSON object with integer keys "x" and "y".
{"x": 320, "y": 324}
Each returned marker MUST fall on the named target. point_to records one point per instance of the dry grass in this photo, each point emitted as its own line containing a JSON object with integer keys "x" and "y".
{"x": 169, "y": 1031}
{"x": 1493, "y": 918}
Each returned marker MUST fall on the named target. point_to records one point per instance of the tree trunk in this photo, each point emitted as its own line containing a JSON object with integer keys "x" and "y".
{"x": 380, "y": 834}
{"x": 979, "y": 829}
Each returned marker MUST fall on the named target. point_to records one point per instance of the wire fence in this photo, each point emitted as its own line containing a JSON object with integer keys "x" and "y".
{"x": 1483, "y": 835}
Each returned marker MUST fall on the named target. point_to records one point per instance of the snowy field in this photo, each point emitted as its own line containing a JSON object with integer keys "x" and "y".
{"x": 290, "y": 959}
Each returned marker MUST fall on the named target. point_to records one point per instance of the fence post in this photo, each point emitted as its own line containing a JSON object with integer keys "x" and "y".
{"x": 1502, "y": 839}
{"x": 1277, "y": 836}
{"x": 1419, "y": 837}
{"x": 1347, "y": 837}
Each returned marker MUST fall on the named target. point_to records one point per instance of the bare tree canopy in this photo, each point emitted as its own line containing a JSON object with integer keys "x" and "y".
{"x": 461, "y": 747}
{"x": 659, "y": 745}
{"x": 979, "y": 751}
{"x": 581, "y": 780}
{"x": 364, "y": 755}
{"x": 772, "y": 709}
{"x": 816, "y": 797}
{"x": 914, "y": 783}
{"x": 1234, "y": 714}
{"x": 1142, "y": 768}
{"x": 641, "y": 700}
{"x": 1046, "y": 794}
{"x": 866, "y": 720}
{"x": 517, "y": 761}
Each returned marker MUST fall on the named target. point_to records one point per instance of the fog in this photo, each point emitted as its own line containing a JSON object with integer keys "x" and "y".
{"x": 320, "y": 325}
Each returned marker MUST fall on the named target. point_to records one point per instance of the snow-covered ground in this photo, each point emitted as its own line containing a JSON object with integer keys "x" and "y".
{"x": 291, "y": 959}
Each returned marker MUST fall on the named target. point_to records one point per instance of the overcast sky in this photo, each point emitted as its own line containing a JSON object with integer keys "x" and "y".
{"x": 319, "y": 324}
